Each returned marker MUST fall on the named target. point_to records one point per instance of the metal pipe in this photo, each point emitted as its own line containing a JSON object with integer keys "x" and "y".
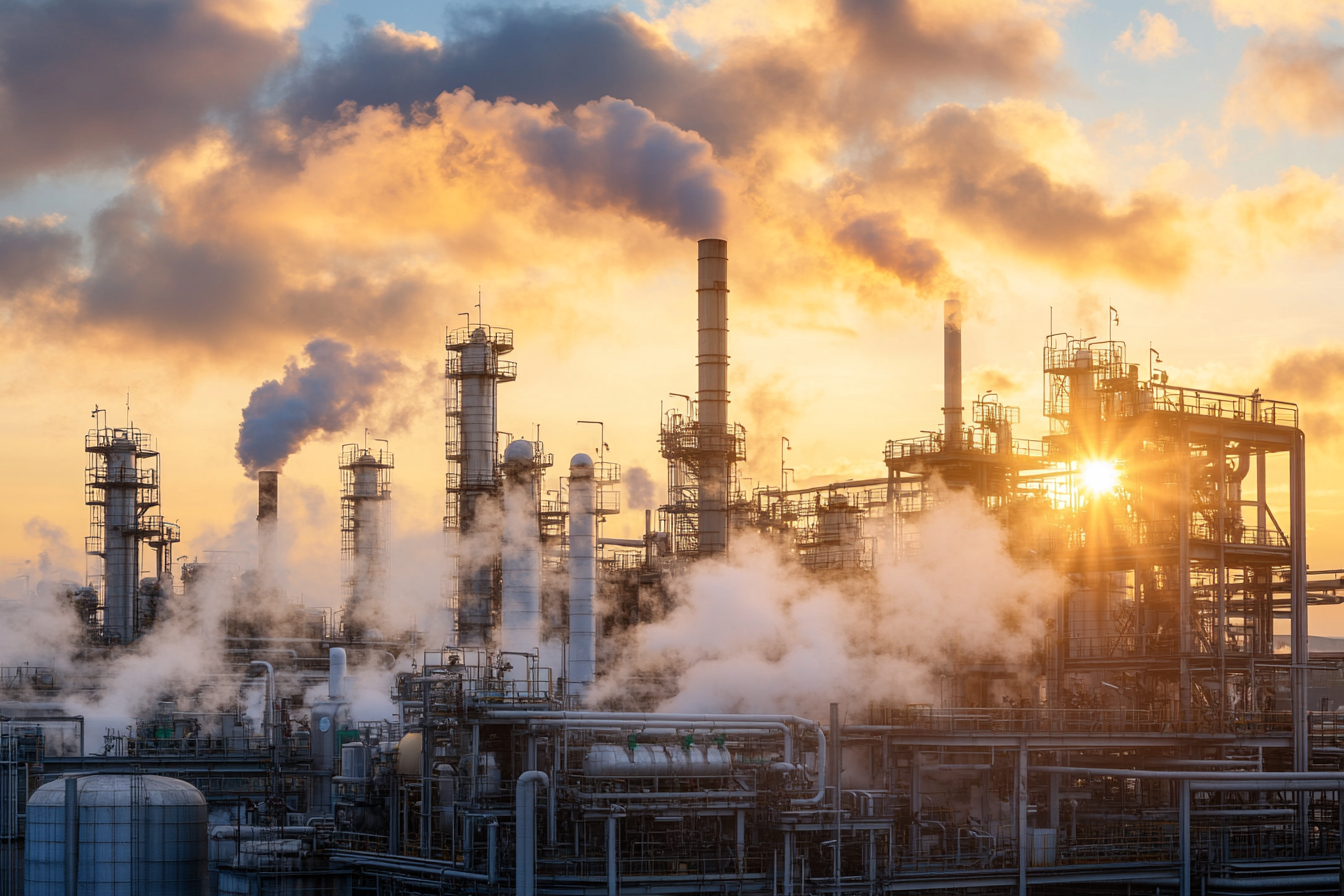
{"x": 268, "y": 719}
{"x": 392, "y": 863}
{"x": 521, "y": 557}
{"x": 613, "y": 851}
{"x": 715, "y": 438}
{"x": 1297, "y": 515}
{"x": 952, "y": 409}
{"x": 655, "y": 719}
{"x": 525, "y": 858}
{"x": 582, "y": 576}
{"x": 492, "y": 850}
{"x": 835, "y": 782}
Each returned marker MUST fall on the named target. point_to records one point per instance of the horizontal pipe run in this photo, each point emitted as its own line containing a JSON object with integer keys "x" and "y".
{"x": 1205, "y": 781}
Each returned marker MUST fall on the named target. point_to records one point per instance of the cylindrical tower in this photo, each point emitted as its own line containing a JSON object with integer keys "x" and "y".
{"x": 123, "y": 835}
{"x": 121, "y": 485}
{"x": 474, "y": 371}
{"x": 366, "y": 494}
{"x": 952, "y": 408}
{"x": 582, "y": 576}
{"x": 520, "y": 562}
{"x": 268, "y": 518}
{"x": 715, "y": 439}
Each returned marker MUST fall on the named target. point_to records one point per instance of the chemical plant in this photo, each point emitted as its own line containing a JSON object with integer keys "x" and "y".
{"x": 1168, "y": 731}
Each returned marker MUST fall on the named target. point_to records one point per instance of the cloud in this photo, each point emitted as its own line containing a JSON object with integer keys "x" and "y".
{"x": 105, "y": 82}
{"x": 1303, "y": 212}
{"x": 977, "y": 166}
{"x": 1308, "y": 374}
{"x": 327, "y": 397}
{"x": 1297, "y": 15}
{"x": 641, "y": 491}
{"x": 882, "y": 240}
{"x": 34, "y": 254}
{"x": 1158, "y": 38}
{"x": 1289, "y": 82}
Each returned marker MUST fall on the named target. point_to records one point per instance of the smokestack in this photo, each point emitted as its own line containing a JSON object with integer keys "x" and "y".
{"x": 582, "y": 576}
{"x": 366, "y": 494}
{"x": 952, "y": 373}
{"x": 521, "y": 555}
{"x": 268, "y": 518}
{"x": 715, "y": 439}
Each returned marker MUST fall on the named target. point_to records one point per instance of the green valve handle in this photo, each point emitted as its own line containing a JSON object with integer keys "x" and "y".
{"x": 631, "y": 741}
{"x": 687, "y": 742}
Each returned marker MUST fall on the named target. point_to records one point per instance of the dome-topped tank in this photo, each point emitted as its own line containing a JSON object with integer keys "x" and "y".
{"x": 139, "y": 835}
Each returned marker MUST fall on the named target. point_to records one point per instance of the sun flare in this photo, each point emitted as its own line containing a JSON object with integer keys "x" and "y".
{"x": 1100, "y": 476}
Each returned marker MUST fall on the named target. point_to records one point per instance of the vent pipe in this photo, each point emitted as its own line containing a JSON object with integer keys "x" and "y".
{"x": 268, "y": 518}
{"x": 952, "y": 422}
{"x": 582, "y": 576}
{"x": 521, "y": 555}
{"x": 715, "y": 439}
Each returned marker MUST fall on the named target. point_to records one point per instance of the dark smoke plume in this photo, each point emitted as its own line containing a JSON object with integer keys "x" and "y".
{"x": 326, "y": 397}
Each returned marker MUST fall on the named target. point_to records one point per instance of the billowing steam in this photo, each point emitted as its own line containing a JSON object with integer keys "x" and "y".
{"x": 325, "y": 397}
{"x": 640, "y": 491}
{"x": 755, "y": 634}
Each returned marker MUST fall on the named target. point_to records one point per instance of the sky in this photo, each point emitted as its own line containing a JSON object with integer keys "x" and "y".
{"x": 203, "y": 198}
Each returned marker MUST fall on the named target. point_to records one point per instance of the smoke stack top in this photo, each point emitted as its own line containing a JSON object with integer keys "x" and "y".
{"x": 952, "y": 409}
{"x": 324, "y": 398}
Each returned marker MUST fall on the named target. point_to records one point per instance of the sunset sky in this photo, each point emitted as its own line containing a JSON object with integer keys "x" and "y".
{"x": 194, "y": 191}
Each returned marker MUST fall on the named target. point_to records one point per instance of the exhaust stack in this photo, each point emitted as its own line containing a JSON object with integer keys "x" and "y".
{"x": 520, "y": 558}
{"x": 715, "y": 438}
{"x": 952, "y": 420}
{"x": 268, "y": 519}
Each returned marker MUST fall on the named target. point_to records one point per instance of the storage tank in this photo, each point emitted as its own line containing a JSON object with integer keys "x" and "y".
{"x": 138, "y": 835}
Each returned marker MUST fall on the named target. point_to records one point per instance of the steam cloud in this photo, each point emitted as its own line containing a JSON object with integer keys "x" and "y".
{"x": 753, "y": 634}
{"x": 325, "y": 397}
{"x": 640, "y": 491}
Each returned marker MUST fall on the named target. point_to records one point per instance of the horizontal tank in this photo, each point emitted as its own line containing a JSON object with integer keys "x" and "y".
{"x": 656, "y": 761}
{"x": 139, "y": 835}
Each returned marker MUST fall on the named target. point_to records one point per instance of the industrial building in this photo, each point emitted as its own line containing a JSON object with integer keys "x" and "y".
{"x": 1159, "y": 739}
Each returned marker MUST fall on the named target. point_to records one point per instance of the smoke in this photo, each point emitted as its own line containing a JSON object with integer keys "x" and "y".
{"x": 883, "y": 241}
{"x": 640, "y": 490}
{"x": 324, "y": 398}
{"x": 756, "y": 634}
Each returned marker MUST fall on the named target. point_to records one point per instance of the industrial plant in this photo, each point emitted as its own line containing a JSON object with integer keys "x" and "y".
{"x": 1162, "y": 726}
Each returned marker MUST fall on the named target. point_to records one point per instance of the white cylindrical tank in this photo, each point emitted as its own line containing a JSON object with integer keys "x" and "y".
{"x": 520, "y": 559}
{"x": 582, "y": 576}
{"x": 120, "y": 541}
{"x": 336, "y": 673}
{"x": 139, "y": 835}
{"x": 656, "y": 761}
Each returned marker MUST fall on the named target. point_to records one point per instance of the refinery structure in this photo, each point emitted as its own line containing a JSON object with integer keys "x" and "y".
{"x": 1169, "y": 731}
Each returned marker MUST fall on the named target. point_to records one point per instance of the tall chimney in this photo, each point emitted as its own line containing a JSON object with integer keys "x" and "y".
{"x": 952, "y": 374}
{"x": 520, "y": 557}
{"x": 582, "y": 576}
{"x": 715, "y": 439}
{"x": 268, "y": 517}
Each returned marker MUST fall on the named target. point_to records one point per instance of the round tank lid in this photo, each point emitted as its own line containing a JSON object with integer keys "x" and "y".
{"x": 581, "y": 460}
{"x": 519, "y": 451}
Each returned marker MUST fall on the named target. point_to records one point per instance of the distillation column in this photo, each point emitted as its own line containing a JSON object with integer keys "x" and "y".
{"x": 365, "y": 498}
{"x": 474, "y": 372}
{"x": 716, "y": 440}
{"x": 520, "y": 561}
{"x": 582, "y": 576}
{"x": 952, "y": 407}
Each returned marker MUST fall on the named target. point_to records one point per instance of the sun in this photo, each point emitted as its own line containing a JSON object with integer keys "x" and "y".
{"x": 1100, "y": 476}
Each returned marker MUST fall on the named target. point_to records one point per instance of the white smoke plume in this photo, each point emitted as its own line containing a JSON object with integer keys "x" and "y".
{"x": 755, "y": 633}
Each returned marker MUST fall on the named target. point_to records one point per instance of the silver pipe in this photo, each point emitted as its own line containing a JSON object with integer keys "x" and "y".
{"x": 525, "y": 858}
{"x": 269, "y": 716}
{"x": 72, "y": 836}
{"x": 582, "y": 654}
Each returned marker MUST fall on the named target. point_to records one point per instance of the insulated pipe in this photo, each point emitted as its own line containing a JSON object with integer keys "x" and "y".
{"x": 336, "y": 673}
{"x": 268, "y": 516}
{"x": 952, "y": 409}
{"x": 613, "y": 851}
{"x": 520, "y": 560}
{"x": 525, "y": 806}
{"x": 582, "y": 576}
{"x": 668, "y": 720}
{"x": 269, "y": 717}
{"x": 715, "y": 439}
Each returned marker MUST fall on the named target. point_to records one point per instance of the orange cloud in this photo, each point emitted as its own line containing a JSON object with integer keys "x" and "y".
{"x": 1295, "y": 83}
{"x": 1158, "y": 38}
